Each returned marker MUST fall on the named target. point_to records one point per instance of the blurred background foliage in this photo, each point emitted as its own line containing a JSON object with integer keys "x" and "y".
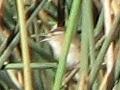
{"x": 41, "y": 17}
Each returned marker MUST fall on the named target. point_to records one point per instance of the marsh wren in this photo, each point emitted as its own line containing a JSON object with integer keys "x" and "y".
{"x": 56, "y": 39}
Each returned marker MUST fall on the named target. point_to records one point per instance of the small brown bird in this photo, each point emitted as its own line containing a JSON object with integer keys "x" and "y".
{"x": 56, "y": 39}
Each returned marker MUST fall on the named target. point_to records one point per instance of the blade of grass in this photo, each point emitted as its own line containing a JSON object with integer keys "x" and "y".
{"x": 24, "y": 46}
{"x": 90, "y": 30}
{"x": 72, "y": 25}
{"x": 87, "y": 42}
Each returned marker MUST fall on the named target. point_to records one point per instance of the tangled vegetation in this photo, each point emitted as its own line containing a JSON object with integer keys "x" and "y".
{"x": 59, "y": 45}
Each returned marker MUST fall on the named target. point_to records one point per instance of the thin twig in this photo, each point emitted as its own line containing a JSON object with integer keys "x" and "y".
{"x": 70, "y": 76}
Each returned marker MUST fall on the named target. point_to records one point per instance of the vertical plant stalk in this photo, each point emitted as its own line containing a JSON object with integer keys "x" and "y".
{"x": 86, "y": 41}
{"x": 109, "y": 55}
{"x": 72, "y": 25}
{"x": 24, "y": 46}
{"x": 91, "y": 33}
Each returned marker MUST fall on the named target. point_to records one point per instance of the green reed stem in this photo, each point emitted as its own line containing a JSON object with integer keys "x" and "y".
{"x": 87, "y": 43}
{"x": 72, "y": 25}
